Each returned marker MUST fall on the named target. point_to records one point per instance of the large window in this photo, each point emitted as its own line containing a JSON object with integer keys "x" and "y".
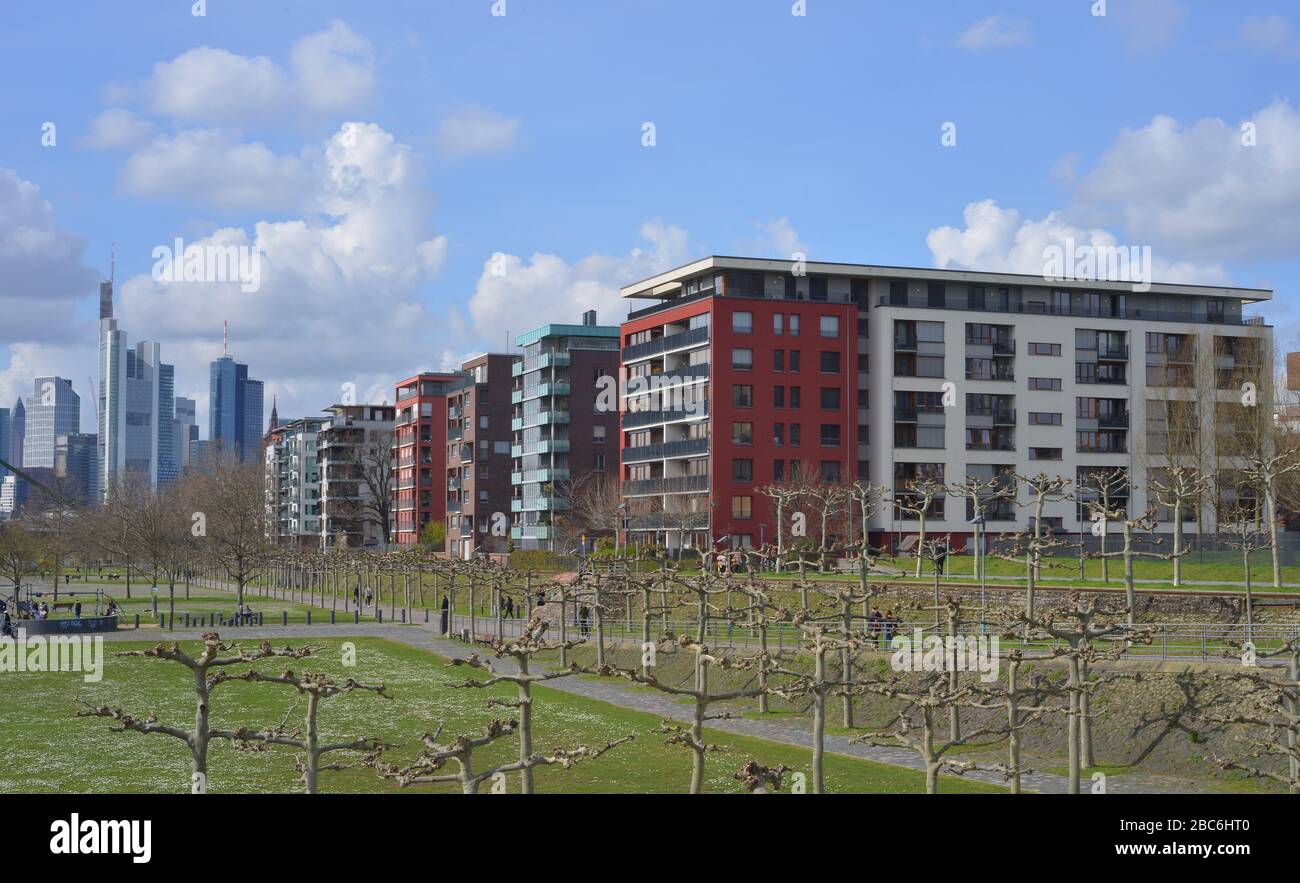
{"x": 830, "y": 362}
{"x": 1044, "y": 349}
{"x": 742, "y": 396}
{"x": 1045, "y": 383}
{"x": 742, "y": 470}
{"x": 742, "y": 322}
{"x": 742, "y": 359}
{"x": 742, "y": 433}
{"x": 830, "y": 326}
{"x": 830, "y": 435}
{"x": 742, "y": 507}
{"x": 830, "y": 400}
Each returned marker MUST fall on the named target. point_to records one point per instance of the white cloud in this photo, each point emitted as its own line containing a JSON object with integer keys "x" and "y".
{"x": 995, "y": 32}
{"x": 1270, "y": 34}
{"x": 330, "y": 72}
{"x": 1198, "y": 190}
{"x": 776, "y": 239}
{"x": 117, "y": 128}
{"x": 517, "y": 295}
{"x": 476, "y": 130}
{"x": 1000, "y": 240}
{"x": 41, "y": 268}
{"x": 340, "y": 298}
{"x": 210, "y": 167}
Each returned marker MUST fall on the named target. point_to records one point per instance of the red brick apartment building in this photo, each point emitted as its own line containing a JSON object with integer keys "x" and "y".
{"x": 751, "y": 372}
{"x": 420, "y": 449}
{"x": 477, "y": 438}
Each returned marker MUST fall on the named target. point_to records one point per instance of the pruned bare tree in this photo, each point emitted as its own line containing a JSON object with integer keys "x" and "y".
{"x": 216, "y": 654}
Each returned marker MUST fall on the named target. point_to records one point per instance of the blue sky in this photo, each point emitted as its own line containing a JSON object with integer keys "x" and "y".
{"x": 520, "y": 136}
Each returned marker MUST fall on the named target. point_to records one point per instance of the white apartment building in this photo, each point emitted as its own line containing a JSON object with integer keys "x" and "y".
{"x": 293, "y": 485}
{"x": 356, "y": 450}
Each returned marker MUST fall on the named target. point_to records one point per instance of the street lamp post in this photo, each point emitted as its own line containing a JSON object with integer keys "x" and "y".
{"x": 981, "y": 555}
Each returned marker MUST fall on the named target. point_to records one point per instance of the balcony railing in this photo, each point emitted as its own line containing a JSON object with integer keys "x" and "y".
{"x": 633, "y": 419}
{"x": 665, "y": 450}
{"x": 683, "y": 484}
{"x": 665, "y": 343}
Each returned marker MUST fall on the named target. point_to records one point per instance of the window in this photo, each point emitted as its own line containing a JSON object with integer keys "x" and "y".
{"x": 778, "y": 396}
{"x": 1043, "y": 418}
{"x": 830, "y": 471}
{"x": 742, "y": 322}
{"x": 830, "y": 326}
{"x": 742, "y": 359}
{"x": 742, "y": 507}
{"x": 778, "y": 434}
{"x": 598, "y": 435}
{"x": 794, "y": 324}
{"x": 929, "y": 332}
{"x": 778, "y": 470}
{"x": 1044, "y": 453}
{"x": 794, "y": 361}
{"x": 830, "y": 398}
{"x": 778, "y": 360}
{"x": 975, "y": 297}
{"x": 742, "y": 396}
{"x": 830, "y": 435}
{"x": 742, "y": 433}
{"x": 778, "y": 323}
{"x": 817, "y": 287}
{"x": 1047, "y": 383}
{"x": 794, "y": 397}
{"x": 830, "y": 362}
{"x": 897, "y": 293}
{"x": 1044, "y": 349}
{"x": 935, "y": 295}
{"x": 483, "y": 422}
{"x": 742, "y": 470}
{"x": 796, "y": 434}
{"x": 598, "y": 462}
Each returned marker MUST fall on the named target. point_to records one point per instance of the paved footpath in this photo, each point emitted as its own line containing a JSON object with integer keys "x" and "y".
{"x": 615, "y": 692}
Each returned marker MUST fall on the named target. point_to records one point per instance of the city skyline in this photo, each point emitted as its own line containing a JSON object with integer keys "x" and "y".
{"x": 415, "y": 257}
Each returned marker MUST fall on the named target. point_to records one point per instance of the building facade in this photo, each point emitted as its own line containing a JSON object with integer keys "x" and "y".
{"x": 6, "y": 434}
{"x": 565, "y": 424}
{"x": 76, "y": 466}
{"x": 136, "y": 407}
{"x": 478, "y": 439}
{"x": 903, "y": 375}
{"x": 53, "y": 409}
{"x": 355, "y": 447}
{"x": 293, "y": 485}
{"x": 420, "y": 453}
{"x": 234, "y": 409}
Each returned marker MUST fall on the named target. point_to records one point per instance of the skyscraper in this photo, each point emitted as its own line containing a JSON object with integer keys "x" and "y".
{"x": 185, "y": 429}
{"x": 6, "y": 430}
{"x": 235, "y": 410}
{"x": 74, "y": 460}
{"x": 17, "y": 429}
{"x": 136, "y": 407}
{"x": 53, "y": 409}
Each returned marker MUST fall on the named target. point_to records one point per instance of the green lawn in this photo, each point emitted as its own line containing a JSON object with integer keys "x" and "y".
{"x": 49, "y": 750}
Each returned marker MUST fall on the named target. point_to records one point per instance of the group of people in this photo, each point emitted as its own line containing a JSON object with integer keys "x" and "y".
{"x": 882, "y": 625}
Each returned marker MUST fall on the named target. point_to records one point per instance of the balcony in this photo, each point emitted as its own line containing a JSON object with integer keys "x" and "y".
{"x": 666, "y": 379}
{"x": 633, "y": 419}
{"x": 539, "y": 391}
{"x": 664, "y": 344}
{"x": 538, "y": 504}
{"x": 1113, "y": 421}
{"x": 684, "y": 484}
{"x": 533, "y": 476}
{"x": 531, "y": 532}
{"x": 545, "y": 446}
{"x": 669, "y": 521}
{"x": 667, "y": 450}
{"x": 1113, "y": 352}
{"x": 541, "y": 418}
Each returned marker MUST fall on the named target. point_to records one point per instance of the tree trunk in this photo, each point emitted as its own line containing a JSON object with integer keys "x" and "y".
{"x": 525, "y": 727}
{"x": 819, "y": 721}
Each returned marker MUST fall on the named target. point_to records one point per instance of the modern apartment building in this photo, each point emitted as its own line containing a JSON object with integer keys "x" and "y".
{"x": 420, "y": 453}
{"x": 478, "y": 436}
{"x": 136, "y": 407}
{"x": 356, "y": 464}
{"x": 907, "y": 374}
{"x": 566, "y": 423}
{"x": 737, "y": 378}
{"x": 293, "y": 485}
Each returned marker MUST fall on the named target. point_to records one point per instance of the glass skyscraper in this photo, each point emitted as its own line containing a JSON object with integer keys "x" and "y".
{"x": 53, "y": 409}
{"x": 234, "y": 410}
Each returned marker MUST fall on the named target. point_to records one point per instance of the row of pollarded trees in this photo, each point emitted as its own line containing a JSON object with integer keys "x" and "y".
{"x": 940, "y": 713}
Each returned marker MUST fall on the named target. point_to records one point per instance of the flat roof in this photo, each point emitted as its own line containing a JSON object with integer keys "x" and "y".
{"x": 554, "y": 330}
{"x": 663, "y": 284}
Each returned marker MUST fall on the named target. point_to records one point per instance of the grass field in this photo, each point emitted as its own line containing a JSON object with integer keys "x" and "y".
{"x": 52, "y": 751}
